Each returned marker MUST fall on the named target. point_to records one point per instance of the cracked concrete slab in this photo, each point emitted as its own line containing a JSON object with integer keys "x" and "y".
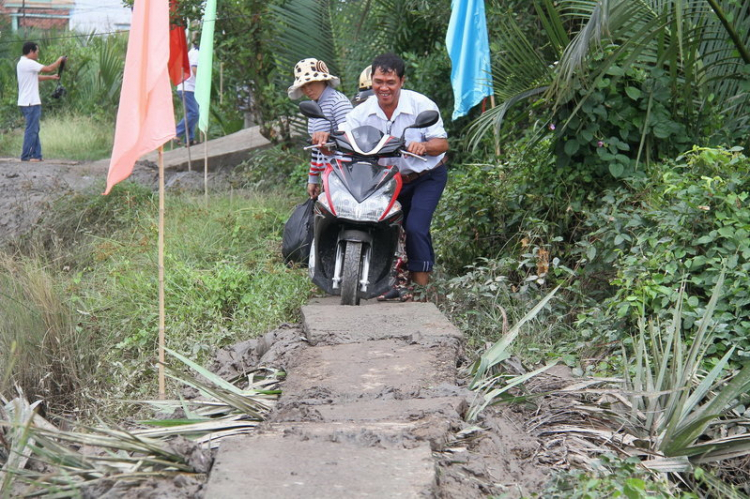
{"x": 328, "y": 323}
{"x": 376, "y": 369}
{"x": 278, "y": 466}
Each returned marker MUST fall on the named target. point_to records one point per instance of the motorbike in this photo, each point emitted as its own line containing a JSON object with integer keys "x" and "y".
{"x": 358, "y": 219}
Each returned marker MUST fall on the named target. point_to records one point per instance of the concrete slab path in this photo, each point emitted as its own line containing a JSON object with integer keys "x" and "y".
{"x": 362, "y": 409}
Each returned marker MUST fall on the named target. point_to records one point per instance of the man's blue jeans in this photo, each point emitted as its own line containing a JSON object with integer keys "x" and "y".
{"x": 191, "y": 108}
{"x": 32, "y": 147}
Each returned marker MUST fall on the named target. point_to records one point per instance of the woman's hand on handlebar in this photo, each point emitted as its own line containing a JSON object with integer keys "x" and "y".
{"x": 319, "y": 140}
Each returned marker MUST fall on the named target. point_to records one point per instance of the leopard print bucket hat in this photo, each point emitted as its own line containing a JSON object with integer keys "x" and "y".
{"x": 308, "y": 70}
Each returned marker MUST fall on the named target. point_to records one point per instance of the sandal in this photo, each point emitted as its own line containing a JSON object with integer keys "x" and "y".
{"x": 393, "y": 294}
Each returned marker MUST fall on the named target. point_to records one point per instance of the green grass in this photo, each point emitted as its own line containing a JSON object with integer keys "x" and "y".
{"x": 78, "y": 138}
{"x": 224, "y": 278}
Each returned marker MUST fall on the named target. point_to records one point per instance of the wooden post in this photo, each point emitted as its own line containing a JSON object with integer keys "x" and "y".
{"x": 205, "y": 167}
{"x": 497, "y": 132}
{"x": 162, "y": 341}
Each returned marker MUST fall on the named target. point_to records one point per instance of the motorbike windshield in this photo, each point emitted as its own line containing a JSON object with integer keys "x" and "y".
{"x": 367, "y": 137}
{"x": 363, "y": 179}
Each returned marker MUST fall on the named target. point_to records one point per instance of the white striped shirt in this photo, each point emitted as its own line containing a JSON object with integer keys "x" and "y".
{"x": 336, "y": 107}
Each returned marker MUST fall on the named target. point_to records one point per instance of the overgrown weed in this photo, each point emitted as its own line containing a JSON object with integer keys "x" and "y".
{"x": 224, "y": 277}
{"x": 42, "y": 349}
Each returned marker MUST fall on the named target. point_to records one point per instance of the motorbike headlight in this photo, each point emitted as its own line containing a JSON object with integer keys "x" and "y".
{"x": 369, "y": 210}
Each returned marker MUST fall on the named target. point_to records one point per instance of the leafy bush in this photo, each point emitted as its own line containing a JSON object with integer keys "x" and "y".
{"x": 625, "y": 121}
{"x": 686, "y": 222}
{"x": 614, "y": 477}
{"x": 274, "y": 167}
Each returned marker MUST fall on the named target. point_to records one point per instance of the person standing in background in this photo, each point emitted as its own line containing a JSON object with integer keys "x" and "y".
{"x": 186, "y": 92}
{"x": 28, "y": 72}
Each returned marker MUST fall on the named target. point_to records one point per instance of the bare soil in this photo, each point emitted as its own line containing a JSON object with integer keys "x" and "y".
{"x": 504, "y": 453}
{"x": 27, "y": 189}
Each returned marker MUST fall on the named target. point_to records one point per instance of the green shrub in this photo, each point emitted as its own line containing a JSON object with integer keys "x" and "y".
{"x": 625, "y": 121}
{"x": 613, "y": 477}
{"x": 686, "y": 222}
{"x": 275, "y": 167}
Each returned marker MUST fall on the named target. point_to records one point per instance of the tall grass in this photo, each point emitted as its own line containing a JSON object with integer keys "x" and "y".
{"x": 77, "y": 138}
{"x": 224, "y": 278}
{"x": 41, "y": 349}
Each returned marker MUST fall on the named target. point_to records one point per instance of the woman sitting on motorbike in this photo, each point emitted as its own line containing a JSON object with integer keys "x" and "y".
{"x": 312, "y": 79}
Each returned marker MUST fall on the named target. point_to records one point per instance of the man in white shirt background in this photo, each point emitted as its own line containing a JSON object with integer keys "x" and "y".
{"x": 28, "y": 72}
{"x": 186, "y": 92}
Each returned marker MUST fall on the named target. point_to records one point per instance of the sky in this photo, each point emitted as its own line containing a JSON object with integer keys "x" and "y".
{"x": 100, "y": 16}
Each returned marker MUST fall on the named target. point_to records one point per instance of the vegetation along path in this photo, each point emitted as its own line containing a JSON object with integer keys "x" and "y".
{"x": 371, "y": 407}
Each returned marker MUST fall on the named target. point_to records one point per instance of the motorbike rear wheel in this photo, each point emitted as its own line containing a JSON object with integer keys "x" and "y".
{"x": 351, "y": 273}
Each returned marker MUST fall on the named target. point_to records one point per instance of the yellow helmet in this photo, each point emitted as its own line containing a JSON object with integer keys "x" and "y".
{"x": 365, "y": 79}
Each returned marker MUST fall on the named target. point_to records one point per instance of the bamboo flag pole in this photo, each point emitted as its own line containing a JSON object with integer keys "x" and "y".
{"x": 162, "y": 341}
{"x": 205, "y": 167}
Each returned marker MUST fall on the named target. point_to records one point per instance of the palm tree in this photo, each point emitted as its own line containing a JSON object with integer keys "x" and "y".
{"x": 699, "y": 46}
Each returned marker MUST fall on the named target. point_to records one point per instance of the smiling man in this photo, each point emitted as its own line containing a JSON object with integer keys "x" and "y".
{"x": 394, "y": 109}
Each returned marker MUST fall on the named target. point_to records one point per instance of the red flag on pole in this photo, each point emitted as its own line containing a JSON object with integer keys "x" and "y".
{"x": 145, "y": 117}
{"x": 179, "y": 65}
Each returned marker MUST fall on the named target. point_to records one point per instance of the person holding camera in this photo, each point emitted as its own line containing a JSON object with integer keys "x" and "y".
{"x": 28, "y": 71}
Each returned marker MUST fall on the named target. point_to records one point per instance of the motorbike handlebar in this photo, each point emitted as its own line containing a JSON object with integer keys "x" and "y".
{"x": 413, "y": 155}
{"x": 315, "y": 146}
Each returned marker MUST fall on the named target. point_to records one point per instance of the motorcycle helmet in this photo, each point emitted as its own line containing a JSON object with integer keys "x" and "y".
{"x": 365, "y": 79}
{"x": 365, "y": 86}
{"x": 59, "y": 92}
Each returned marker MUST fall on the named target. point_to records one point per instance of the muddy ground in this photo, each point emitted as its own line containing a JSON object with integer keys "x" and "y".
{"x": 505, "y": 452}
{"x": 27, "y": 189}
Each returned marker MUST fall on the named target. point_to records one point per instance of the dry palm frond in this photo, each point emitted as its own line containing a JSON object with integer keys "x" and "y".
{"x": 665, "y": 409}
{"x": 159, "y": 448}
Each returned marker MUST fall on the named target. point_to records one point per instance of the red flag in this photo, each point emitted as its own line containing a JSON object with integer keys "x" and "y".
{"x": 145, "y": 117}
{"x": 179, "y": 65}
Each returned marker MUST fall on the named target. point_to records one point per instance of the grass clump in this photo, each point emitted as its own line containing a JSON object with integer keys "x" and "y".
{"x": 42, "y": 350}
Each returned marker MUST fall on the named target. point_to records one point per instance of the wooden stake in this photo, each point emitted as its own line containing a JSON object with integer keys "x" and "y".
{"x": 497, "y": 132}
{"x": 162, "y": 384}
{"x": 205, "y": 167}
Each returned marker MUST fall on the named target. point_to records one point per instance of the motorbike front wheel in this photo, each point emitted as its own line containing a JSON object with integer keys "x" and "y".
{"x": 351, "y": 273}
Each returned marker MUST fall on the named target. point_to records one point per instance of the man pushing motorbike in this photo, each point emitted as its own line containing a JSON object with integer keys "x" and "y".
{"x": 391, "y": 112}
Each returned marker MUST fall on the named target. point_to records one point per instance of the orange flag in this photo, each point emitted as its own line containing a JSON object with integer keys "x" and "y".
{"x": 145, "y": 117}
{"x": 179, "y": 65}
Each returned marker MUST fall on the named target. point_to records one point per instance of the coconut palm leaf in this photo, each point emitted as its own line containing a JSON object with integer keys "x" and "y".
{"x": 135, "y": 454}
{"x": 500, "y": 350}
{"x": 685, "y": 37}
{"x": 304, "y": 30}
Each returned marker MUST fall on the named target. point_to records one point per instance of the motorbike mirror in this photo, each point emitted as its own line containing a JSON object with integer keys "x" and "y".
{"x": 311, "y": 109}
{"x": 424, "y": 119}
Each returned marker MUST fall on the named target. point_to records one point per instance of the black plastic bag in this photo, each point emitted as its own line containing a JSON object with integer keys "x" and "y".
{"x": 298, "y": 233}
